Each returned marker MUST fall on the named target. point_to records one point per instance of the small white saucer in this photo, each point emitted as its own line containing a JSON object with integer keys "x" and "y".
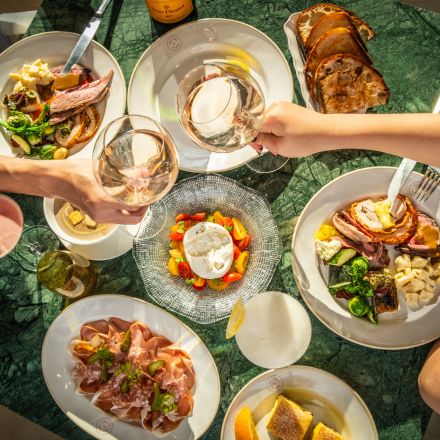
{"x": 113, "y": 246}
{"x": 276, "y": 330}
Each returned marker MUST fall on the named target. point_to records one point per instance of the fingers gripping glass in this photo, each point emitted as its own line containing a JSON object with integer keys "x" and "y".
{"x": 221, "y": 108}
{"x": 135, "y": 163}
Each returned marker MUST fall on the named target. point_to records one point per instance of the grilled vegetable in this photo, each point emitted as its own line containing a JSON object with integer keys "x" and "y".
{"x": 342, "y": 257}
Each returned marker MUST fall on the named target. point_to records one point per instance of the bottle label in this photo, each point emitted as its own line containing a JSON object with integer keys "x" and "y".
{"x": 169, "y": 11}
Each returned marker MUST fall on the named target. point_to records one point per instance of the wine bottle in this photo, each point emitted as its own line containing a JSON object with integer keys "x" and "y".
{"x": 170, "y": 11}
{"x": 67, "y": 274}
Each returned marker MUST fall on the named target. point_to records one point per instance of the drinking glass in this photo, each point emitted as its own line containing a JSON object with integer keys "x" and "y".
{"x": 135, "y": 163}
{"x": 221, "y": 108}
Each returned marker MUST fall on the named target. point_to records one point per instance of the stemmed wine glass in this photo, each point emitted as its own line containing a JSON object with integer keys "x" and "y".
{"x": 135, "y": 163}
{"x": 221, "y": 108}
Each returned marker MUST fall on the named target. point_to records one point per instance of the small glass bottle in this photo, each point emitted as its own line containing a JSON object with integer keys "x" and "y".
{"x": 66, "y": 274}
{"x": 170, "y": 11}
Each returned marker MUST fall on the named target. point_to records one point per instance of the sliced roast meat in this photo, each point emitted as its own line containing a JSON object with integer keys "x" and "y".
{"x": 347, "y": 227}
{"x": 81, "y": 96}
{"x": 77, "y": 69}
{"x": 426, "y": 240}
{"x": 62, "y": 116}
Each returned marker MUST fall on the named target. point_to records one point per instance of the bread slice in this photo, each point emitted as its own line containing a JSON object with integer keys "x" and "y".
{"x": 288, "y": 421}
{"x": 323, "y": 432}
{"x": 345, "y": 83}
{"x": 326, "y": 23}
{"x": 333, "y": 42}
{"x": 308, "y": 18}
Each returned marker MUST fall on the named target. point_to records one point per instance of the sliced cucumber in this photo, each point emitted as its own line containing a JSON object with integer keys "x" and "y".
{"x": 342, "y": 257}
{"x": 21, "y": 143}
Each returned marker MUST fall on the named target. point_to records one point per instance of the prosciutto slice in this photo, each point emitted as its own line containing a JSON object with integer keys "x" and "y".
{"x": 114, "y": 368}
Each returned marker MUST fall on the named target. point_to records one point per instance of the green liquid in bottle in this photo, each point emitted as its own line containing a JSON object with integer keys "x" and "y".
{"x": 58, "y": 271}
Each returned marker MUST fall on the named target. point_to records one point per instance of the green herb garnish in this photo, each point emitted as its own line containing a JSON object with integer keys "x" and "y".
{"x": 163, "y": 402}
{"x": 126, "y": 342}
{"x": 132, "y": 374}
{"x": 107, "y": 358}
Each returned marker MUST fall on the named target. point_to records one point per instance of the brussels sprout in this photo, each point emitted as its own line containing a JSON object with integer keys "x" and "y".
{"x": 47, "y": 151}
{"x": 34, "y": 139}
{"x": 50, "y": 129}
{"x": 358, "y": 306}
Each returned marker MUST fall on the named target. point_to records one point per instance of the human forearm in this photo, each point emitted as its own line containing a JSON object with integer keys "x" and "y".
{"x": 31, "y": 177}
{"x": 412, "y": 135}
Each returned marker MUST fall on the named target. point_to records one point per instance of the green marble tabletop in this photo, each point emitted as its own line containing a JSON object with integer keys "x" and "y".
{"x": 405, "y": 51}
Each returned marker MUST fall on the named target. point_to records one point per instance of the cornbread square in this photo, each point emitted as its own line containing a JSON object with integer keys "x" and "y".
{"x": 288, "y": 421}
{"x": 323, "y": 432}
{"x": 75, "y": 217}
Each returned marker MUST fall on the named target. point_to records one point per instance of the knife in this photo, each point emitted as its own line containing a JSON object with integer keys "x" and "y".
{"x": 402, "y": 173}
{"x": 85, "y": 38}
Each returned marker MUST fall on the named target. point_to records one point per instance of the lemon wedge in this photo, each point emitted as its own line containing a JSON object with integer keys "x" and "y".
{"x": 244, "y": 427}
{"x": 236, "y": 319}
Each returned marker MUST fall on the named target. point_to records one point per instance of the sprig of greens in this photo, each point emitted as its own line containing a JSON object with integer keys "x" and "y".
{"x": 107, "y": 358}
{"x": 21, "y": 124}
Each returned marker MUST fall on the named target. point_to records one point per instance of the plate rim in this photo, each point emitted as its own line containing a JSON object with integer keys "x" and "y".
{"x": 192, "y": 23}
{"x": 123, "y": 104}
{"x": 304, "y": 297}
{"x": 295, "y": 367}
{"x": 144, "y": 303}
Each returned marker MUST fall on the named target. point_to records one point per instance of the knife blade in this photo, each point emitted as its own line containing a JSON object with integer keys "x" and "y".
{"x": 398, "y": 180}
{"x": 85, "y": 38}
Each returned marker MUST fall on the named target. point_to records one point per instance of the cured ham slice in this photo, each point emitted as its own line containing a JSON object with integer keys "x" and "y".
{"x": 130, "y": 372}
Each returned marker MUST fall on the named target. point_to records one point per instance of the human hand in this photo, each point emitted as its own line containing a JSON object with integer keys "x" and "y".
{"x": 292, "y": 131}
{"x": 75, "y": 182}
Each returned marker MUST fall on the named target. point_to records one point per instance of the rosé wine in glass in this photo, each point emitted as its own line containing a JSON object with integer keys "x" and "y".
{"x": 11, "y": 224}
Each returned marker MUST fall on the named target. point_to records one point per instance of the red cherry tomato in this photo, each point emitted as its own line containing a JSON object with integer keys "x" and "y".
{"x": 232, "y": 277}
{"x": 199, "y": 217}
{"x": 237, "y": 252}
{"x": 176, "y": 236}
{"x": 184, "y": 270}
{"x": 199, "y": 283}
{"x": 243, "y": 244}
{"x": 181, "y": 217}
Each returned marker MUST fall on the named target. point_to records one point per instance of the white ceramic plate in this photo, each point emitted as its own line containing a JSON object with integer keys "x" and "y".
{"x": 403, "y": 329}
{"x": 330, "y": 400}
{"x": 57, "y": 364}
{"x": 55, "y": 48}
{"x": 298, "y": 60}
{"x": 153, "y": 85}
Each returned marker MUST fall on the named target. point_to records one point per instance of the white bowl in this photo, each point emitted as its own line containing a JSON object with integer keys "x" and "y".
{"x": 55, "y": 48}
{"x": 49, "y": 213}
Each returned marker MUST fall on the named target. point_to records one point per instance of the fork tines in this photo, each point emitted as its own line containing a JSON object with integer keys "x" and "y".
{"x": 429, "y": 183}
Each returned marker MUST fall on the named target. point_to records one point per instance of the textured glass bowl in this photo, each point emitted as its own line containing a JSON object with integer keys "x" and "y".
{"x": 208, "y": 193}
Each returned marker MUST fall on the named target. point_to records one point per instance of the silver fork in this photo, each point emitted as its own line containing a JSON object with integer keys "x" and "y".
{"x": 429, "y": 183}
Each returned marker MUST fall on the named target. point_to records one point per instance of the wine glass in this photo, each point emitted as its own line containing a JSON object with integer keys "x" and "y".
{"x": 23, "y": 245}
{"x": 135, "y": 163}
{"x": 221, "y": 108}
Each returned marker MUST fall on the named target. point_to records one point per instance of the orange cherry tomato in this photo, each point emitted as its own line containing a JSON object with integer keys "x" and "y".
{"x": 232, "y": 277}
{"x": 181, "y": 217}
{"x": 242, "y": 262}
{"x": 187, "y": 224}
{"x": 218, "y": 218}
{"x": 176, "y": 236}
{"x": 237, "y": 252}
{"x": 217, "y": 284}
{"x": 243, "y": 244}
{"x": 239, "y": 232}
{"x": 199, "y": 217}
{"x": 184, "y": 270}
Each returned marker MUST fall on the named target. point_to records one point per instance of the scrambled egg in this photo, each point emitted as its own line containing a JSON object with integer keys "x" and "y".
{"x": 32, "y": 74}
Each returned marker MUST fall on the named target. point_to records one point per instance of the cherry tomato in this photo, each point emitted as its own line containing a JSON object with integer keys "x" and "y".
{"x": 184, "y": 270}
{"x": 199, "y": 217}
{"x": 237, "y": 252}
{"x": 181, "y": 217}
{"x": 176, "y": 236}
{"x": 199, "y": 283}
{"x": 217, "y": 284}
{"x": 239, "y": 232}
{"x": 36, "y": 114}
{"x": 218, "y": 218}
{"x": 232, "y": 277}
{"x": 243, "y": 244}
{"x": 187, "y": 224}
